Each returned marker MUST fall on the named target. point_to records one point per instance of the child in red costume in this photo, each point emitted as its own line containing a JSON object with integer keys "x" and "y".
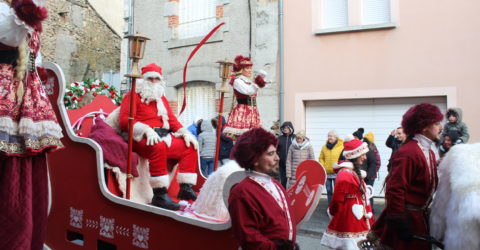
{"x": 350, "y": 207}
{"x": 158, "y": 136}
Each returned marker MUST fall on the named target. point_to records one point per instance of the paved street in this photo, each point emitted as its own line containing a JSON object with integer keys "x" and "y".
{"x": 309, "y": 234}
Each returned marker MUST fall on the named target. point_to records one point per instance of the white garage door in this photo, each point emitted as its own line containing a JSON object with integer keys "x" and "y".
{"x": 379, "y": 116}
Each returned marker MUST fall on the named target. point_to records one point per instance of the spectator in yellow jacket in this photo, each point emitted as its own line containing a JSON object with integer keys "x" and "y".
{"x": 329, "y": 155}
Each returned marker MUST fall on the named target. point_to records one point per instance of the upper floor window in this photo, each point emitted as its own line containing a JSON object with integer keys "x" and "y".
{"x": 196, "y": 17}
{"x": 345, "y": 15}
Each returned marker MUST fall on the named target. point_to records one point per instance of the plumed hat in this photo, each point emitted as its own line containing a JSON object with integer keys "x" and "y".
{"x": 359, "y": 133}
{"x": 152, "y": 70}
{"x": 29, "y": 12}
{"x": 241, "y": 62}
{"x": 353, "y": 148}
{"x": 251, "y": 145}
{"x": 419, "y": 117}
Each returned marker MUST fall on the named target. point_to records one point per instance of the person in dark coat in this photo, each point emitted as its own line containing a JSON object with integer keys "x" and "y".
{"x": 284, "y": 142}
{"x": 394, "y": 141}
{"x": 455, "y": 125}
{"x": 226, "y": 143}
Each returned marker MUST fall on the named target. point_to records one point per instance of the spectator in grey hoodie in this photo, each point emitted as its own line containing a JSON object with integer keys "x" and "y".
{"x": 207, "y": 141}
{"x": 455, "y": 125}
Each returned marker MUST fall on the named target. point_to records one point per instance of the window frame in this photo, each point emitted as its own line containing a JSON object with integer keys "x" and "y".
{"x": 355, "y": 18}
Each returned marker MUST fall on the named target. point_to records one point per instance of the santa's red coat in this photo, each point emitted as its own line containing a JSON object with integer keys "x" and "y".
{"x": 411, "y": 183}
{"x": 158, "y": 154}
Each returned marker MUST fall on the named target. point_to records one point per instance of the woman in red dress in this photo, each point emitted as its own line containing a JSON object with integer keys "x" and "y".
{"x": 28, "y": 127}
{"x": 350, "y": 207}
{"x": 244, "y": 116}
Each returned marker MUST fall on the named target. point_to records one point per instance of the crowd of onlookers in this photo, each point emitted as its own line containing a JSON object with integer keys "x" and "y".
{"x": 294, "y": 148}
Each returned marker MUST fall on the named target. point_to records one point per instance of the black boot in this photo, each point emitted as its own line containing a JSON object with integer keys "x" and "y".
{"x": 161, "y": 199}
{"x": 186, "y": 192}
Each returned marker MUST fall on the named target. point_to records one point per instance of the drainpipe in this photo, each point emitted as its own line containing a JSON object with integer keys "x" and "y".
{"x": 282, "y": 59}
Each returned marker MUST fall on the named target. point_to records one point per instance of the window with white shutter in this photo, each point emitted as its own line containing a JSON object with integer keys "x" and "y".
{"x": 332, "y": 16}
{"x": 196, "y": 17}
{"x": 376, "y": 11}
{"x": 335, "y": 13}
{"x": 200, "y": 102}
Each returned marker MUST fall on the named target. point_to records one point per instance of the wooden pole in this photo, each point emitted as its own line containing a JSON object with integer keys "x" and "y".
{"x": 219, "y": 130}
{"x": 131, "y": 115}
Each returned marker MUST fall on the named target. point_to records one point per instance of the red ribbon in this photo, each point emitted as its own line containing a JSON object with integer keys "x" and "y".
{"x": 205, "y": 39}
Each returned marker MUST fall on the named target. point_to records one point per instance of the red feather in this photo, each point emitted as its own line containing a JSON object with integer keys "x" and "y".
{"x": 30, "y": 13}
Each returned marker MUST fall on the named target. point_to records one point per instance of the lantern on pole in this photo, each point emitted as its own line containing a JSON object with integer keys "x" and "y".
{"x": 225, "y": 70}
{"x": 136, "y": 51}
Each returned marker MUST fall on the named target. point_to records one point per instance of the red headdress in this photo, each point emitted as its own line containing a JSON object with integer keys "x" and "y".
{"x": 30, "y": 13}
{"x": 419, "y": 117}
{"x": 251, "y": 145}
{"x": 152, "y": 70}
{"x": 241, "y": 62}
{"x": 353, "y": 147}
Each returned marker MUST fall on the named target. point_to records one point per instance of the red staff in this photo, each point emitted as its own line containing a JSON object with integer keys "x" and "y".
{"x": 136, "y": 50}
{"x": 224, "y": 74}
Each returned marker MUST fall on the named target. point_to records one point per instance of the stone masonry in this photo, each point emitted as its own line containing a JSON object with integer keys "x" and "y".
{"x": 76, "y": 38}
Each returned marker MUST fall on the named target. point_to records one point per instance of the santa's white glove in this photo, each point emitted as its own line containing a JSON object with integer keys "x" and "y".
{"x": 152, "y": 137}
{"x": 190, "y": 139}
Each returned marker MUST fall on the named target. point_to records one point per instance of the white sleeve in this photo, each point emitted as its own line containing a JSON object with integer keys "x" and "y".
{"x": 13, "y": 31}
{"x": 246, "y": 89}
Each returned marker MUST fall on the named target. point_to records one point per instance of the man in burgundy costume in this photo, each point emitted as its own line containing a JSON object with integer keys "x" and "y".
{"x": 259, "y": 208}
{"x": 158, "y": 136}
{"x": 411, "y": 183}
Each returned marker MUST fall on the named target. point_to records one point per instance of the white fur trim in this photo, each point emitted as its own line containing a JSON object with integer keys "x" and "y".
{"x": 139, "y": 129}
{"x": 8, "y": 126}
{"x": 345, "y": 164}
{"x": 28, "y": 127}
{"x": 363, "y": 173}
{"x": 342, "y": 241}
{"x": 456, "y": 206}
{"x": 113, "y": 120}
{"x": 162, "y": 111}
{"x": 160, "y": 181}
{"x": 152, "y": 74}
{"x": 369, "y": 215}
{"x": 210, "y": 200}
{"x": 187, "y": 178}
{"x": 349, "y": 137}
{"x": 352, "y": 154}
{"x": 181, "y": 132}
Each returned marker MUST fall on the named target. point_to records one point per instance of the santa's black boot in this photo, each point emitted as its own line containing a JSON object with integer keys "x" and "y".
{"x": 186, "y": 192}
{"x": 161, "y": 199}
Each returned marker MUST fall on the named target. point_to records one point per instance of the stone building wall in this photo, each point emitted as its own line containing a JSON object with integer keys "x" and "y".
{"x": 78, "y": 39}
{"x": 159, "y": 21}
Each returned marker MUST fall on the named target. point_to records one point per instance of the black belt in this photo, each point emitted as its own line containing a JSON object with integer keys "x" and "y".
{"x": 9, "y": 57}
{"x": 414, "y": 207}
{"x": 161, "y": 131}
{"x": 247, "y": 101}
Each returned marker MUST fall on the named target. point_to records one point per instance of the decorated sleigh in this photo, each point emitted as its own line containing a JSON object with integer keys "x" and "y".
{"x": 87, "y": 208}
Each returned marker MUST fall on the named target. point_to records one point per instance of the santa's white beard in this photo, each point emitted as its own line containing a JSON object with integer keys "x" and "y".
{"x": 150, "y": 91}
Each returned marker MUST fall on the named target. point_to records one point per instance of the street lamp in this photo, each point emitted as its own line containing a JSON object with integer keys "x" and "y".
{"x": 136, "y": 50}
{"x": 137, "y": 45}
{"x": 225, "y": 70}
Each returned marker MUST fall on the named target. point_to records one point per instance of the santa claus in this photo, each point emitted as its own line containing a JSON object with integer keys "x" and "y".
{"x": 158, "y": 136}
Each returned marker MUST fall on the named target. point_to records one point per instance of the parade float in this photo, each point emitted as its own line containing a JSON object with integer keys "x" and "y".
{"x": 94, "y": 205}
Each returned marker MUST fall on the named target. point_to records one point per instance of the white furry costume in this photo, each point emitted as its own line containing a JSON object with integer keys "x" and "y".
{"x": 455, "y": 217}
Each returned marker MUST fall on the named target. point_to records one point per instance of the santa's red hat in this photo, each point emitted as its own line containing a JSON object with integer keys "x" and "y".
{"x": 353, "y": 148}
{"x": 152, "y": 70}
{"x": 251, "y": 145}
{"x": 241, "y": 62}
{"x": 419, "y": 117}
